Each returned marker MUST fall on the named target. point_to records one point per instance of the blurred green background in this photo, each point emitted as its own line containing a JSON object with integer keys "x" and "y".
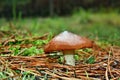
{"x": 96, "y": 19}
{"x": 13, "y": 8}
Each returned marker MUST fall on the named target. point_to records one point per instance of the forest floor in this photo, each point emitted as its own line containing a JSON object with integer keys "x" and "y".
{"x": 22, "y": 48}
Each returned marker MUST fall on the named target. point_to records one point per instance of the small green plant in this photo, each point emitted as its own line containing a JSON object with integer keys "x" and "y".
{"x": 32, "y": 51}
{"x": 39, "y": 42}
{"x": 90, "y": 60}
{"x": 61, "y": 59}
{"x": 15, "y": 50}
{"x": 26, "y": 51}
{"x": 76, "y": 57}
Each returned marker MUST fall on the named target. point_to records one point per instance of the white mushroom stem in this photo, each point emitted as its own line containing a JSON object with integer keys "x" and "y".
{"x": 69, "y": 57}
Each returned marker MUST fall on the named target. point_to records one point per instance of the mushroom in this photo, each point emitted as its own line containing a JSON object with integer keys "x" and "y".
{"x": 68, "y": 42}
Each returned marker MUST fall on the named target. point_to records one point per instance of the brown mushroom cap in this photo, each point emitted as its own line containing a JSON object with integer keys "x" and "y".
{"x": 67, "y": 41}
